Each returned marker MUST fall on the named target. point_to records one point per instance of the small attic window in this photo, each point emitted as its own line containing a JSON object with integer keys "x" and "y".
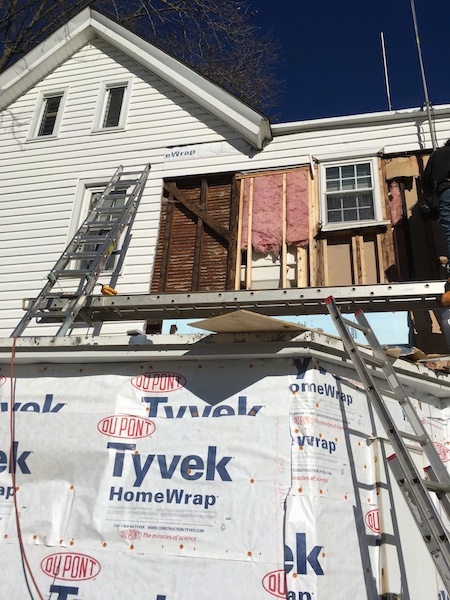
{"x": 49, "y": 115}
{"x": 114, "y": 101}
{"x": 113, "y": 106}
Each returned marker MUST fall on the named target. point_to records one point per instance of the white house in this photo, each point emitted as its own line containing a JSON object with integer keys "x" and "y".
{"x": 94, "y": 96}
{"x": 241, "y": 465}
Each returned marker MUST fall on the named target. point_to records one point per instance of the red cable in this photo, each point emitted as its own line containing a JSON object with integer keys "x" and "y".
{"x": 13, "y": 468}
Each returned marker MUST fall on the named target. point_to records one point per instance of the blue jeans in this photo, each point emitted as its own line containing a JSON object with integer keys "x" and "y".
{"x": 444, "y": 217}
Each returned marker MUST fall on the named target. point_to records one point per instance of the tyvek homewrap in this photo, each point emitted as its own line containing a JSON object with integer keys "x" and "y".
{"x": 186, "y": 480}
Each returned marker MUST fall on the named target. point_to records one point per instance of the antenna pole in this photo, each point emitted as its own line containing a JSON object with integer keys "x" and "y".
{"x": 424, "y": 81}
{"x": 386, "y": 75}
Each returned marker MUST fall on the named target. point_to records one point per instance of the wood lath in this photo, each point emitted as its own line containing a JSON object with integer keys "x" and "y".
{"x": 197, "y": 238}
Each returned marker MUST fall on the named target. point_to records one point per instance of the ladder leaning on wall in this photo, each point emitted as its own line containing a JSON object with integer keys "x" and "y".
{"x": 416, "y": 490}
{"x": 89, "y": 251}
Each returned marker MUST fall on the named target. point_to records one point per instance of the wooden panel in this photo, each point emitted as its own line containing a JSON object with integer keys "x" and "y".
{"x": 340, "y": 264}
{"x": 197, "y": 255}
{"x": 246, "y": 321}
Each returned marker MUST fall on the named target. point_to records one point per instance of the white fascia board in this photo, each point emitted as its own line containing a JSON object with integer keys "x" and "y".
{"x": 30, "y": 69}
{"x": 252, "y": 125}
{"x": 385, "y": 117}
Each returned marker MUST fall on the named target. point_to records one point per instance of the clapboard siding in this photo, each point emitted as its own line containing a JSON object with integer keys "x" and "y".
{"x": 41, "y": 179}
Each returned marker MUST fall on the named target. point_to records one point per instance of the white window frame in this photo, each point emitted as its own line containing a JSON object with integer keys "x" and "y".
{"x": 38, "y": 114}
{"x": 377, "y": 220}
{"x": 100, "y": 113}
{"x": 86, "y": 190}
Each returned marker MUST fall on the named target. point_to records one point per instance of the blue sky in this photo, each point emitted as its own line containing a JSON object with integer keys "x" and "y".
{"x": 331, "y": 58}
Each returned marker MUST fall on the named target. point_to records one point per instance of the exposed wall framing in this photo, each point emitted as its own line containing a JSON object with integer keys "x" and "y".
{"x": 197, "y": 236}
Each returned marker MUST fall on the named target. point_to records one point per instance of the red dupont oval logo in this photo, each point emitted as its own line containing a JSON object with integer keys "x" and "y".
{"x": 2, "y": 379}
{"x": 158, "y": 383}
{"x": 70, "y": 566}
{"x": 443, "y": 451}
{"x": 372, "y": 520}
{"x": 130, "y": 534}
{"x": 275, "y": 583}
{"x": 126, "y": 426}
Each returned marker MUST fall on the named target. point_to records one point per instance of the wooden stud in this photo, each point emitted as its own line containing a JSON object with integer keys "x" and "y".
{"x": 283, "y": 234}
{"x": 313, "y": 203}
{"x": 237, "y": 279}
{"x": 166, "y": 246}
{"x": 326, "y": 278}
{"x": 199, "y": 237}
{"x": 234, "y": 246}
{"x": 248, "y": 277}
{"x": 362, "y": 259}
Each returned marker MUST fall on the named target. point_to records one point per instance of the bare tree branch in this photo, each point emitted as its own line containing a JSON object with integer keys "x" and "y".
{"x": 216, "y": 37}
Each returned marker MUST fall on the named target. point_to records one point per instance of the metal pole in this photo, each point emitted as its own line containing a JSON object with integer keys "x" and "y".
{"x": 386, "y": 76}
{"x": 424, "y": 81}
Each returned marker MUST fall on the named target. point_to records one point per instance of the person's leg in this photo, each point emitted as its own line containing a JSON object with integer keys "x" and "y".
{"x": 444, "y": 221}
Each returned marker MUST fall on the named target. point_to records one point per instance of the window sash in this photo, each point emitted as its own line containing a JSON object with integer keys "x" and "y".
{"x": 349, "y": 193}
{"x": 49, "y": 115}
{"x": 113, "y": 107}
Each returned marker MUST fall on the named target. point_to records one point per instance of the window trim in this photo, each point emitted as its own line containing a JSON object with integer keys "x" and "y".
{"x": 100, "y": 112}
{"x": 377, "y": 220}
{"x": 88, "y": 187}
{"x": 36, "y": 121}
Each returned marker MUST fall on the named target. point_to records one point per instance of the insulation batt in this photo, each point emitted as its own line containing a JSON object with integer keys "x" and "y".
{"x": 267, "y": 226}
{"x": 396, "y": 203}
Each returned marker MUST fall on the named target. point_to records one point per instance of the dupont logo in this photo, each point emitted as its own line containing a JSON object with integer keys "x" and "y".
{"x": 126, "y": 426}
{"x": 443, "y": 451}
{"x": 372, "y": 520}
{"x": 158, "y": 383}
{"x": 130, "y": 534}
{"x": 70, "y": 566}
{"x": 275, "y": 583}
{"x": 2, "y": 380}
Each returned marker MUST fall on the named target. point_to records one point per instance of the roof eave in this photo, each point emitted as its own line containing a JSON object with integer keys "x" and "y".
{"x": 26, "y": 72}
{"x": 240, "y": 117}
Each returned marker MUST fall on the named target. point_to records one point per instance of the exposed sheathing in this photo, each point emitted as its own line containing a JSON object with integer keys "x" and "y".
{"x": 190, "y": 255}
{"x": 270, "y": 200}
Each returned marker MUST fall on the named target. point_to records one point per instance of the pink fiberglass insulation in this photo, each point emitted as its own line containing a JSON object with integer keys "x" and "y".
{"x": 267, "y": 213}
{"x": 297, "y": 231}
{"x": 396, "y": 202}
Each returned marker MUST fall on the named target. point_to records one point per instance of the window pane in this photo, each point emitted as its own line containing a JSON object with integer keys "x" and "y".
{"x": 332, "y": 173}
{"x": 51, "y": 107}
{"x": 363, "y": 169}
{"x": 350, "y": 207}
{"x": 113, "y": 106}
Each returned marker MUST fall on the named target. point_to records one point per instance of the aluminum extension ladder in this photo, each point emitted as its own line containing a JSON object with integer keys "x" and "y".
{"x": 416, "y": 490}
{"x": 88, "y": 252}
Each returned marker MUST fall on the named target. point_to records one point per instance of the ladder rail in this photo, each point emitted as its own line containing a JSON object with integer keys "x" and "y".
{"x": 103, "y": 247}
{"x": 413, "y": 486}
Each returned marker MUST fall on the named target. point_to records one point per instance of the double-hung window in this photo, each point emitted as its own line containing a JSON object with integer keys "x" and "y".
{"x": 113, "y": 106}
{"x": 48, "y": 114}
{"x": 349, "y": 193}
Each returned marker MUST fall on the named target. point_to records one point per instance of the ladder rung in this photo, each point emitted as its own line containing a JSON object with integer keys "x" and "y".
{"x": 436, "y": 486}
{"x": 54, "y": 314}
{"x": 420, "y": 439}
{"x": 110, "y": 210}
{"x": 71, "y": 273}
{"x": 93, "y": 239}
{"x": 101, "y": 224}
{"x": 81, "y": 255}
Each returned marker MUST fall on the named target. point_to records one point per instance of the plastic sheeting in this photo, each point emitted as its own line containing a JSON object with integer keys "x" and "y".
{"x": 190, "y": 480}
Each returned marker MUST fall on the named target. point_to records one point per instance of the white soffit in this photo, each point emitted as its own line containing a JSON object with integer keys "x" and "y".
{"x": 252, "y": 125}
